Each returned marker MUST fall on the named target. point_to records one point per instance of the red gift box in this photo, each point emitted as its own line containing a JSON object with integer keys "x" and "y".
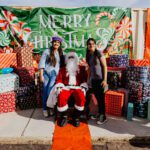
{"x": 24, "y": 56}
{"x": 114, "y": 103}
{"x": 8, "y": 60}
{"x": 139, "y": 62}
{"x": 7, "y": 102}
{"x": 26, "y": 75}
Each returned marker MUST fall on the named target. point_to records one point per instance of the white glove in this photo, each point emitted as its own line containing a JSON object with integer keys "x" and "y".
{"x": 83, "y": 90}
{"x": 59, "y": 89}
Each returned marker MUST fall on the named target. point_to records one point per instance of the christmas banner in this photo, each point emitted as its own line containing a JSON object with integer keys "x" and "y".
{"x": 110, "y": 26}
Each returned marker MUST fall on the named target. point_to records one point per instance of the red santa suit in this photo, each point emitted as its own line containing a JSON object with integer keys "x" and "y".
{"x": 71, "y": 80}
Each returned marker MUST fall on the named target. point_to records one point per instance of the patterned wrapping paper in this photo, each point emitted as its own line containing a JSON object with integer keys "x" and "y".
{"x": 141, "y": 109}
{"x": 135, "y": 91}
{"x": 7, "y": 102}
{"x": 9, "y": 82}
{"x": 119, "y": 60}
{"x": 138, "y": 62}
{"x": 114, "y": 79}
{"x": 39, "y": 90}
{"x": 146, "y": 89}
{"x": 26, "y": 91}
{"x": 24, "y": 56}
{"x": 26, "y": 75}
{"x": 27, "y": 102}
{"x": 7, "y": 60}
{"x": 141, "y": 74}
{"x": 114, "y": 102}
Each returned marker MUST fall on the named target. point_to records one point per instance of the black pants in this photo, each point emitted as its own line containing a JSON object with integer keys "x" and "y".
{"x": 98, "y": 91}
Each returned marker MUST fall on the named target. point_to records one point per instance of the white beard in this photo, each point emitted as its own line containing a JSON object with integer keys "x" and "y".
{"x": 72, "y": 68}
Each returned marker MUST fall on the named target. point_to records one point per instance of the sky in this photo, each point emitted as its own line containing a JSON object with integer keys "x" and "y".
{"x": 77, "y": 3}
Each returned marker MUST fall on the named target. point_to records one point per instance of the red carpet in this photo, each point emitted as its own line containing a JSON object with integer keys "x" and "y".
{"x": 72, "y": 138}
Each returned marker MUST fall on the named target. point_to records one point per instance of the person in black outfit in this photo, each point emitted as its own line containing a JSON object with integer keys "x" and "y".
{"x": 97, "y": 78}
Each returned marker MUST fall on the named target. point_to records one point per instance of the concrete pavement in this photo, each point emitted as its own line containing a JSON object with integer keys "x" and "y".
{"x": 30, "y": 125}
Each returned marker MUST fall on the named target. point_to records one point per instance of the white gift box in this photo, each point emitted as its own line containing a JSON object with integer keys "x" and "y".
{"x": 9, "y": 82}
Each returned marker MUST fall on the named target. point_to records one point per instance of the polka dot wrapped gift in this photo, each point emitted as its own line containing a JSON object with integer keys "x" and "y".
{"x": 7, "y": 102}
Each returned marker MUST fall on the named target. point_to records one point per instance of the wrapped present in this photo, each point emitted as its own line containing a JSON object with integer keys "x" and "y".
{"x": 26, "y": 102}
{"x": 26, "y": 75}
{"x": 148, "y": 114}
{"x": 114, "y": 101}
{"x": 135, "y": 91}
{"x": 8, "y": 60}
{"x": 24, "y": 56}
{"x": 39, "y": 90}
{"x": 7, "y": 49}
{"x": 119, "y": 60}
{"x": 141, "y": 109}
{"x": 26, "y": 91}
{"x": 7, "y": 102}
{"x": 9, "y": 82}
{"x": 130, "y": 111}
{"x": 138, "y": 62}
{"x": 114, "y": 79}
{"x": 141, "y": 74}
{"x": 126, "y": 98}
{"x": 146, "y": 89}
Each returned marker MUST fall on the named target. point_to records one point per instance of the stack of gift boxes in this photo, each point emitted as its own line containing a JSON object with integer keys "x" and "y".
{"x": 26, "y": 94}
{"x": 9, "y": 83}
{"x": 116, "y": 98}
{"x": 18, "y": 88}
{"x": 138, "y": 83}
{"x": 133, "y": 81}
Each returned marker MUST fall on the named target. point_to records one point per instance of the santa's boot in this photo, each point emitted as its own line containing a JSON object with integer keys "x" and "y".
{"x": 76, "y": 117}
{"x": 63, "y": 119}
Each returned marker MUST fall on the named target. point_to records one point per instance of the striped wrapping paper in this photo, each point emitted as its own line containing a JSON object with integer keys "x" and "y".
{"x": 26, "y": 75}
{"x": 119, "y": 60}
{"x": 24, "y": 56}
{"x": 138, "y": 62}
{"x": 8, "y": 60}
{"x": 9, "y": 82}
{"x": 7, "y": 102}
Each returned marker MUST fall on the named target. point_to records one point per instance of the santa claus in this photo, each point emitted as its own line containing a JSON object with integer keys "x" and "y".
{"x": 71, "y": 81}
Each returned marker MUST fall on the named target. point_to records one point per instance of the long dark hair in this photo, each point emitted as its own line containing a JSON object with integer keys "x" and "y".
{"x": 88, "y": 51}
{"x": 52, "y": 59}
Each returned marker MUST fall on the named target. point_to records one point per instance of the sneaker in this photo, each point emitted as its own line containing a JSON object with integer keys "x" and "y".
{"x": 101, "y": 120}
{"x": 45, "y": 113}
{"x": 93, "y": 117}
{"x": 51, "y": 111}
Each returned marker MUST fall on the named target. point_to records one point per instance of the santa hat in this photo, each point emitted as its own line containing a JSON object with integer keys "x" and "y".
{"x": 73, "y": 54}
